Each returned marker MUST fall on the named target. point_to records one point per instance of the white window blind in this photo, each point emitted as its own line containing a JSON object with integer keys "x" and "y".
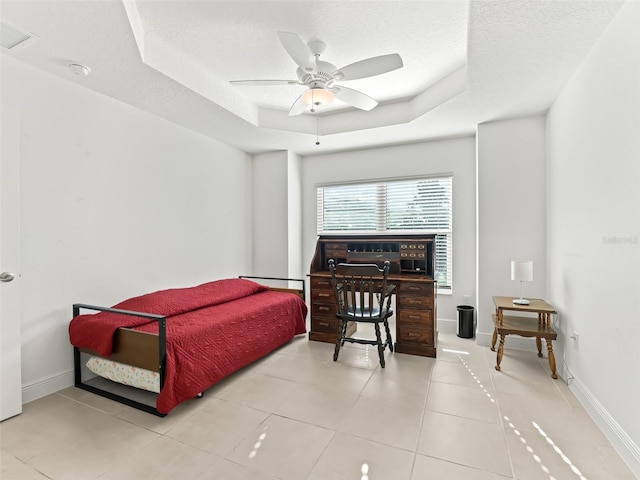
{"x": 422, "y": 205}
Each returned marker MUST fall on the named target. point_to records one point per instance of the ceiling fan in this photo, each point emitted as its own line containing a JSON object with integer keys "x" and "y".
{"x": 321, "y": 77}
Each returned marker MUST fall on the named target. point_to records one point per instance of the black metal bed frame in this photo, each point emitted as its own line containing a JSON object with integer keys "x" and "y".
{"x": 301, "y": 280}
{"x": 162, "y": 353}
{"x": 162, "y": 349}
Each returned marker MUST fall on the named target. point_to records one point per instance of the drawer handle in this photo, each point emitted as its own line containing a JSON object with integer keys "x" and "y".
{"x": 413, "y": 288}
{"x": 417, "y": 301}
{"x": 323, "y": 324}
{"x": 323, "y": 309}
{"x": 416, "y": 317}
{"x": 413, "y": 334}
{"x": 323, "y": 294}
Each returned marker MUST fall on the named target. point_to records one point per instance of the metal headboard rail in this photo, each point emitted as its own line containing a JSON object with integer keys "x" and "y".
{"x": 301, "y": 280}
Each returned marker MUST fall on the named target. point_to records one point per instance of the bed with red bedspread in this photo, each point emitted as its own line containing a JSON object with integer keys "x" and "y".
{"x": 211, "y": 331}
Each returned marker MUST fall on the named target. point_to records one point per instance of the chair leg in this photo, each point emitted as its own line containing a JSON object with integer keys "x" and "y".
{"x": 389, "y": 339}
{"x": 342, "y": 331}
{"x": 380, "y": 345}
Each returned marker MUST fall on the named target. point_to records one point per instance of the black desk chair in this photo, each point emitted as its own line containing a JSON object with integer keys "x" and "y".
{"x": 362, "y": 295}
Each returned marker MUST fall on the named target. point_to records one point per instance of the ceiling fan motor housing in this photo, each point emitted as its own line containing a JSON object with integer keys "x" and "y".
{"x": 318, "y": 79}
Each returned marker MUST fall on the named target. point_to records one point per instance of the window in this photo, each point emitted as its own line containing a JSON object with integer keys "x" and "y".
{"x": 421, "y": 205}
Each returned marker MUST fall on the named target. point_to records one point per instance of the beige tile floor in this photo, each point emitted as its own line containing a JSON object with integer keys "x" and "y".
{"x": 298, "y": 415}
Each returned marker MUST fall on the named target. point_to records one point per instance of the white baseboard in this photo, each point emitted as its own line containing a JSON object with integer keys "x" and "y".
{"x": 46, "y": 386}
{"x": 624, "y": 445}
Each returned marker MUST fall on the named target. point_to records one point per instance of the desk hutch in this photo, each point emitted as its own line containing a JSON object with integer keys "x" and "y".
{"x": 412, "y": 262}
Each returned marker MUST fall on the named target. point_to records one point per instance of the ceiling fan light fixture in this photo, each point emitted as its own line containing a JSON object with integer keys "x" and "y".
{"x": 317, "y": 97}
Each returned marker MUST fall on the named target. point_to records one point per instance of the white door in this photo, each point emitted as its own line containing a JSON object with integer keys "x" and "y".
{"x": 10, "y": 369}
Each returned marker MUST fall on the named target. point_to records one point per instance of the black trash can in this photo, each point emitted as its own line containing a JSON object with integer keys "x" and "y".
{"x": 465, "y": 321}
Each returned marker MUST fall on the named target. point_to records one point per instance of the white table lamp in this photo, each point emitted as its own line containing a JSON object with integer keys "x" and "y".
{"x": 521, "y": 271}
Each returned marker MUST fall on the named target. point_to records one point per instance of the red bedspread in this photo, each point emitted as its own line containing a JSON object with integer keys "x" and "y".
{"x": 214, "y": 330}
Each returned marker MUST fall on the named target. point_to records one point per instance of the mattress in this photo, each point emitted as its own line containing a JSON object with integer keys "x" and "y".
{"x": 125, "y": 374}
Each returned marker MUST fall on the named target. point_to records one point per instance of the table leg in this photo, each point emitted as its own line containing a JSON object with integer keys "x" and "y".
{"x": 500, "y": 351}
{"x": 494, "y": 339}
{"x": 539, "y": 345}
{"x": 552, "y": 359}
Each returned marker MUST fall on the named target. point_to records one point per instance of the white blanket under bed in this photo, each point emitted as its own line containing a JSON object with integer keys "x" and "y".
{"x": 125, "y": 374}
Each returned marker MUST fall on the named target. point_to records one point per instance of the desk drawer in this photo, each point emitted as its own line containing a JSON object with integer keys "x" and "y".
{"x": 414, "y": 317}
{"x": 323, "y": 310}
{"x": 321, "y": 283}
{"x": 340, "y": 255}
{"x": 409, "y": 289}
{"x": 323, "y": 296}
{"x": 418, "y": 302}
{"x": 415, "y": 334}
{"x": 324, "y": 325}
{"x": 412, "y": 254}
{"x": 412, "y": 246}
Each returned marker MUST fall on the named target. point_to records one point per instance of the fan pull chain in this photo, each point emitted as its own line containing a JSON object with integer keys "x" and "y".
{"x": 313, "y": 101}
{"x": 317, "y": 134}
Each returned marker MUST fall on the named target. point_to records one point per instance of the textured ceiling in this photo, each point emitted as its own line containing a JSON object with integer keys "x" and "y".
{"x": 465, "y": 62}
{"x": 206, "y": 46}
{"x": 237, "y": 40}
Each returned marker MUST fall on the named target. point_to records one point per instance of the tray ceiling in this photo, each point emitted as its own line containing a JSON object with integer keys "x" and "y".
{"x": 464, "y": 62}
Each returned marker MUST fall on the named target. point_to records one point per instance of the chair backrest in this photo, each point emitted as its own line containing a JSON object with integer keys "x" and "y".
{"x": 360, "y": 289}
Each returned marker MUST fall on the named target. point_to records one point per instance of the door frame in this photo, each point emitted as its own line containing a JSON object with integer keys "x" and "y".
{"x": 10, "y": 318}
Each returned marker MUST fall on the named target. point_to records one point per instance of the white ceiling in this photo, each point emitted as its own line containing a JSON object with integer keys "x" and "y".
{"x": 464, "y": 62}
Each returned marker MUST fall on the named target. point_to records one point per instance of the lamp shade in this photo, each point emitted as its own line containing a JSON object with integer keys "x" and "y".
{"x": 317, "y": 96}
{"x": 522, "y": 270}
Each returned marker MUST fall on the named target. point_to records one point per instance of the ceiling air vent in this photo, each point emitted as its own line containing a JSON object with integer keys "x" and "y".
{"x": 14, "y": 38}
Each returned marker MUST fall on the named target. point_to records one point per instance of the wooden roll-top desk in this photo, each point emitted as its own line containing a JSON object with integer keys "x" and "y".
{"x": 412, "y": 262}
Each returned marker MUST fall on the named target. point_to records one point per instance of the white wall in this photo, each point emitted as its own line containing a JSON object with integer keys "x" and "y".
{"x": 115, "y": 202}
{"x": 511, "y": 214}
{"x": 276, "y": 215}
{"x": 594, "y": 229}
{"x": 455, "y": 156}
{"x": 270, "y": 214}
{"x": 294, "y": 173}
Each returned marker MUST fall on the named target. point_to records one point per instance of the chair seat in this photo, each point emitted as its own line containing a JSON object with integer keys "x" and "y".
{"x": 361, "y": 315}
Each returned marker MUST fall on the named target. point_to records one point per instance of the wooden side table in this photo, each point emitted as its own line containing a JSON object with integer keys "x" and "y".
{"x": 524, "y": 326}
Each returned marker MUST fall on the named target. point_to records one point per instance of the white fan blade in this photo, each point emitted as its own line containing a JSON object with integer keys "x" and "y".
{"x": 296, "y": 48}
{"x": 370, "y": 67}
{"x": 298, "y": 107}
{"x": 264, "y": 82}
{"x": 354, "y": 98}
